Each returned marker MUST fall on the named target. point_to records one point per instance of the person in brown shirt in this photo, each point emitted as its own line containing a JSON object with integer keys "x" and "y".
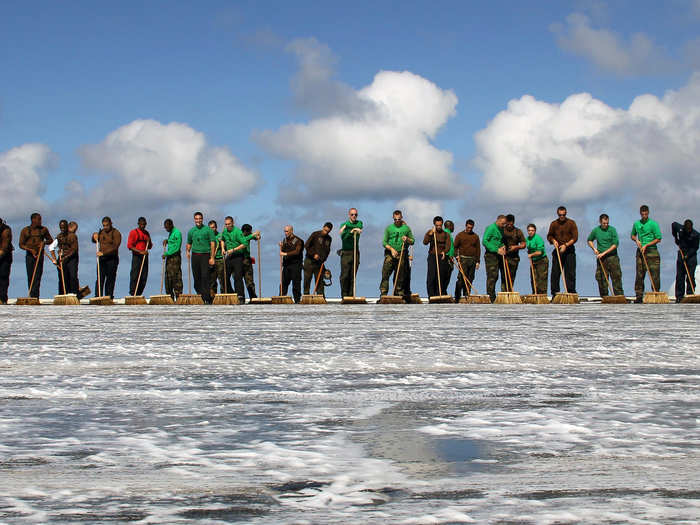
{"x": 63, "y": 252}
{"x": 6, "y": 250}
{"x": 318, "y": 247}
{"x": 468, "y": 253}
{"x": 563, "y": 234}
{"x": 291, "y": 250}
{"x": 108, "y": 240}
{"x": 32, "y": 239}
{"x": 439, "y": 235}
{"x": 514, "y": 241}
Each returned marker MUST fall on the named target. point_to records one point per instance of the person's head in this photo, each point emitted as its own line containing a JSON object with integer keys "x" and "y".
{"x": 352, "y": 214}
{"x": 449, "y": 225}
{"x": 501, "y": 221}
{"x": 63, "y": 225}
{"x": 644, "y": 212}
{"x": 561, "y": 213}
{"x": 327, "y": 228}
{"x": 106, "y": 223}
{"x": 168, "y": 225}
{"x": 531, "y": 230}
{"x": 72, "y": 226}
{"x": 198, "y": 219}
{"x": 604, "y": 220}
{"x": 36, "y": 219}
{"x": 247, "y": 229}
{"x": 469, "y": 226}
{"x": 228, "y": 223}
{"x": 212, "y": 225}
{"x": 142, "y": 223}
{"x": 288, "y": 231}
{"x": 398, "y": 217}
{"x": 510, "y": 221}
{"x": 2, "y": 222}
{"x": 688, "y": 225}
{"x": 437, "y": 222}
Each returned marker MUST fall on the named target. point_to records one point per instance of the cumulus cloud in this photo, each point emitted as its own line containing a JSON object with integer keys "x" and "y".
{"x": 608, "y": 50}
{"x": 146, "y": 163}
{"x": 22, "y": 171}
{"x": 583, "y": 151}
{"x": 373, "y": 143}
{"x": 419, "y": 213}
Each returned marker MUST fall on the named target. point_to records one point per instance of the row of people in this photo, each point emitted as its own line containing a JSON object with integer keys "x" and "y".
{"x": 217, "y": 257}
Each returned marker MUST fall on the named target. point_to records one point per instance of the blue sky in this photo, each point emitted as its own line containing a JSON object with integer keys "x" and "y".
{"x": 256, "y": 88}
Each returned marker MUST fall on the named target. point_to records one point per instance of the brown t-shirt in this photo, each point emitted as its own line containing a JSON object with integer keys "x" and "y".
{"x": 68, "y": 244}
{"x": 109, "y": 241}
{"x": 468, "y": 245}
{"x": 562, "y": 232}
{"x": 6, "y": 239}
{"x": 443, "y": 241}
{"x": 511, "y": 238}
{"x": 294, "y": 248}
{"x": 319, "y": 244}
{"x": 30, "y": 238}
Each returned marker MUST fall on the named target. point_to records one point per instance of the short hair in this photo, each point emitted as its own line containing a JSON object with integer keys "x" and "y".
{"x": 62, "y": 222}
{"x": 212, "y": 222}
{"x": 449, "y": 225}
{"x": 397, "y": 212}
{"x": 198, "y": 213}
{"x": 352, "y": 209}
{"x": 603, "y": 216}
{"x": 291, "y": 228}
{"x": 510, "y": 217}
{"x": 107, "y": 218}
{"x": 469, "y": 221}
{"x": 643, "y": 207}
{"x": 228, "y": 218}
{"x": 501, "y": 216}
{"x": 72, "y": 224}
{"x": 168, "y": 222}
{"x": 141, "y": 219}
{"x": 246, "y": 229}
{"x": 34, "y": 215}
{"x": 532, "y": 226}
{"x": 328, "y": 225}
{"x": 687, "y": 221}
{"x": 561, "y": 208}
{"x": 437, "y": 218}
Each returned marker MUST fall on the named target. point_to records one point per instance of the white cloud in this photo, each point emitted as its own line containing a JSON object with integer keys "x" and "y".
{"x": 419, "y": 214}
{"x": 608, "y": 50}
{"x": 22, "y": 173}
{"x": 372, "y": 143}
{"x": 582, "y": 152}
{"x": 147, "y": 163}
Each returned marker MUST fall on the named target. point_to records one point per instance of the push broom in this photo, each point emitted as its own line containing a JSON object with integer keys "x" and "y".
{"x": 354, "y": 299}
{"x": 260, "y": 299}
{"x": 315, "y": 298}
{"x": 281, "y": 299}
{"x": 535, "y": 298}
{"x": 226, "y": 297}
{"x": 393, "y": 298}
{"x": 99, "y": 299}
{"x": 64, "y": 298}
{"x": 441, "y": 298}
{"x": 471, "y": 298}
{"x": 189, "y": 298}
{"x": 137, "y": 299}
{"x": 653, "y": 297}
{"x": 610, "y": 299}
{"x": 509, "y": 296}
{"x": 694, "y": 298}
{"x": 161, "y": 299}
{"x": 566, "y": 297}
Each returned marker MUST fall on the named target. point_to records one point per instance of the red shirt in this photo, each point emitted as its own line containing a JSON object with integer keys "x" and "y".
{"x": 139, "y": 240}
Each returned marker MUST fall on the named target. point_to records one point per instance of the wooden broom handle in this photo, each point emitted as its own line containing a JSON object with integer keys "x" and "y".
{"x": 396, "y": 282}
{"x": 561, "y": 270}
{"x": 99, "y": 283}
{"x": 534, "y": 281}
{"x": 437, "y": 261}
{"x": 651, "y": 278}
{"x": 687, "y": 271}
{"x": 36, "y": 265}
{"x": 461, "y": 270}
{"x": 138, "y": 279}
{"x": 318, "y": 277}
{"x": 354, "y": 265}
{"x": 162, "y": 275}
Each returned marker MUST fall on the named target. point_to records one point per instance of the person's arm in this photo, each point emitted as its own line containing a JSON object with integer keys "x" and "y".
{"x": 212, "y": 247}
{"x": 188, "y": 247}
{"x": 5, "y": 240}
{"x": 298, "y": 247}
{"x": 309, "y": 242}
{"x": 550, "y": 235}
{"x": 325, "y": 252}
{"x": 47, "y": 236}
{"x": 676, "y": 228}
{"x": 591, "y": 238}
{"x": 410, "y": 239}
{"x": 428, "y": 237}
{"x": 131, "y": 240}
{"x": 23, "y": 238}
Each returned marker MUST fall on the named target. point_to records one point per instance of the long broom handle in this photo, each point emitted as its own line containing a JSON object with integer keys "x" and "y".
{"x": 280, "y": 275}
{"x": 602, "y": 267}
{"x": 509, "y": 280}
{"x": 259, "y": 271}
{"x": 143, "y": 260}
{"x": 690, "y": 279}
{"x": 60, "y": 266}
{"x": 36, "y": 265}
{"x": 534, "y": 281}
{"x": 354, "y": 265}
{"x": 189, "y": 274}
{"x": 461, "y": 270}
{"x": 651, "y": 278}
{"x": 561, "y": 270}
{"x": 99, "y": 281}
{"x": 398, "y": 270}
{"x": 162, "y": 275}
{"x": 437, "y": 262}
{"x": 223, "y": 254}
{"x": 318, "y": 277}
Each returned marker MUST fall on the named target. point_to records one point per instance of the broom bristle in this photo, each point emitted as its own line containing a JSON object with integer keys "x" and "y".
{"x": 67, "y": 299}
{"x": 614, "y": 299}
{"x": 104, "y": 300}
{"x": 691, "y": 299}
{"x": 189, "y": 299}
{"x": 261, "y": 300}
{"x": 508, "y": 298}
{"x": 27, "y": 301}
{"x": 161, "y": 300}
{"x": 135, "y": 300}
{"x": 353, "y": 300}
{"x": 282, "y": 299}
{"x": 478, "y": 299}
{"x": 565, "y": 298}
{"x": 415, "y": 299}
{"x": 441, "y": 299}
{"x": 535, "y": 298}
{"x": 313, "y": 299}
{"x": 390, "y": 299}
{"x": 655, "y": 298}
{"x": 226, "y": 298}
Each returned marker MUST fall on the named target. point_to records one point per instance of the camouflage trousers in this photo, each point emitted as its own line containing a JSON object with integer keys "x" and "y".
{"x": 513, "y": 263}
{"x": 390, "y": 266}
{"x": 541, "y": 269}
{"x": 218, "y": 272}
{"x": 173, "y": 275}
{"x": 612, "y": 267}
{"x": 248, "y": 277}
{"x": 654, "y": 261}
{"x": 493, "y": 263}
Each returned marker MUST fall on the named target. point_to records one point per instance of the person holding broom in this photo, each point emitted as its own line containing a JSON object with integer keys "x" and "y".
{"x": 646, "y": 234}
{"x": 449, "y": 227}
{"x": 64, "y": 254}
{"x": 234, "y": 246}
{"x": 6, "y": 250}
{"x": 200, "y": 249}
{"x": 538, "y": 260}
{"x": 437, "y": 239}
{"x": 173, "y": 260}
{"x": 467, "y": 248}
{"x": 350, "y": 232}
{"x": 32, "y": 239}
{"x": 605, "y": 236}
{"x": 248, "y": 261}
{"x": 514, "y": 241}
{"x": 218, "y": 271}
{"x": 563, "y": 234}
{"x": 318, "y": 247}
{"x": 138, "y": 242}
{"x": 687, "y": 240}
{"x": 397, "y": 238}
{"x": 292, "y": 252}
{"x": 494, "y": 250}
{"x": 108, "y": 240}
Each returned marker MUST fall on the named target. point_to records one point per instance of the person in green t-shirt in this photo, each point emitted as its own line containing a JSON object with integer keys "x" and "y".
{"x": 646, "y": 234}
{"x": 350, "y": 232}
{"x": 495, "y": 249}
{"x": 248, "y": 261}
{"x": 217, "y": 272}
{"x": 605, "y": 236}
{"x": 538, "y": 257}
{"x": 201, "y": 246}
{"x": 449, "y": 227}
{"x": 514, "y": 241}
{"x": 235, "y": 245}
{"x": 397, "y": 237}
{"x": 173, "y": 260}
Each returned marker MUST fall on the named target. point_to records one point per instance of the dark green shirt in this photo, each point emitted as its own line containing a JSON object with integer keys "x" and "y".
{"x": 347, "y": 236}
{"x": 605, "y": 238}
{"x": 646, "y": 231}
{"x": 200, "y": 239}
{"x": 174, "y": 242}
{"x": 493, "y": 238}
{"x": 393, "y": 235}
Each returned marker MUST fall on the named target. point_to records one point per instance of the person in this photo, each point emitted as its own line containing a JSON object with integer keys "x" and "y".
{"x": 173, "y": 260}
{"x": 437, "y": 235}
{"x": 607, "y": 241}
{"x": 350, "y": 232}
{"x": 514, "y": 241}
{"x": 494, "y": 250}
{"x": 200, "y": 249}
{"x": 6, "y": 250}
{"x": 139, "y": 242}
{"x": 32, "y": 239}
{"x": 449, "y": 227}
{"x": 218, "y": 271}
{"x": 108, "y": 240}
{"x": 292, "y": 251}
{"x": 467, "y": 247}
{"x": 234, "y": 246}
{"x": 646, "y": 234}
{"x": 687, "y": 240}
{"x": 318, "y": 247}
{"x": 563, "y": 234}
{"x": 538, "y": 256}
{"x": 63, "y": 252}
{"x": 248, "y": 261}
{"x": 397, "y": 238}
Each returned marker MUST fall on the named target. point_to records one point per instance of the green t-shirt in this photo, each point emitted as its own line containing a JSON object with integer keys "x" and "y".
{"x": 493, "y": 238}
{"x": 605, "y": 238}
{"x": 347, "y": 236}
{"x": 451, "y": 251}
{"x": 233, "y": 239}
{"x": 174, "y": 242}
{"x": 200, "y": 239}
{"x": 535, "y": 244}
{"x": 646, "y": 231}
{"x": 246, "y": 241}
{"x": 217, "y": 253}
{"x": 393, "y": 235}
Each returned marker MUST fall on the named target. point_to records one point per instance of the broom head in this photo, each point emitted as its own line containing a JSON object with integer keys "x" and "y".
{"x": 353, "y": 300}
{"x": 691, "y": 299}
{"x": 282, "y": 299}
{"x": 390, "y": 299}
{"x": 441, "y": 299}
{"x": 226, "y": 298}
{"x": 508, "y": 298}
{"x": 478, "y": 299}
{"x": 189, "y": 298}
{"x": 565, "y": 298}
{"x": 313, "y": 299}
{"x": 535, "y": 298}
{"x": 27, "y": 301}
{"x": 69, "y": 298}
{"x": 84, "y": 292}
{"x": 655, "y": 298}
{"x": 104, "y": 300}
{"x": 614, "y": 299}
{"x": 161, "y": 299}
{"x": 261, "y": 300}
{"x": 135, "y": 299}
{"x": 415, "y": 299}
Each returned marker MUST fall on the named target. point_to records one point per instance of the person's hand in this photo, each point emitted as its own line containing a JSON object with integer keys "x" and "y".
{"x": 280, "y": 243}
{"x": 394, "y": 253}
{"x": 477, "y": 266}
{"x": 595, "y": 250}
{"x": 94, "y": 237}
{"x": 639, "y": 244}
{"x": 432, "y": 231}
{"x": 189, "y": 255}
{"x": 282, "y": 253}
{"x": 316, "y": 256}
{"x": 404, "y": 238}
{"x": 165, "y": 242}
{"x": 211, "y": 261}
{"x": 644, "y": 248}
{"x": 99, "y": 254}
{"x": 502, "y": 250}
{"x": 529, "y": 256}
{"x": 163, "y": 256}
{"x": 143, "y": 252}
{"x": 356, "y": 230}
{"x": 562, "y": 248}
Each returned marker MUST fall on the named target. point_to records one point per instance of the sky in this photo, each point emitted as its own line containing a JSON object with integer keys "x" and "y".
{"x": 291, "y": 112}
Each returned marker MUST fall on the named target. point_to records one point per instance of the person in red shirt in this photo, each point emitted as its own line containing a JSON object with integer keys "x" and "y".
{"x": 139, "y": 242}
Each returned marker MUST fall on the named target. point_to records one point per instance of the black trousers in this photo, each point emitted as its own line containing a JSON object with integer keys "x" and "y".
{"x": 432, "y": 277}
{"x": 568, "y": 261}
{"x": 200, "y": 275}
{"x": 683, "y": 287}
{"x": 136, "y": 259}
{"x": 234, "y": 266}
{"x": 70, "y": 276}
{"x": 291, "y": 273}
{"x": 107, "y": 276}
{"x": 30, "y": 260}
{"x": 5, "y": 267}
